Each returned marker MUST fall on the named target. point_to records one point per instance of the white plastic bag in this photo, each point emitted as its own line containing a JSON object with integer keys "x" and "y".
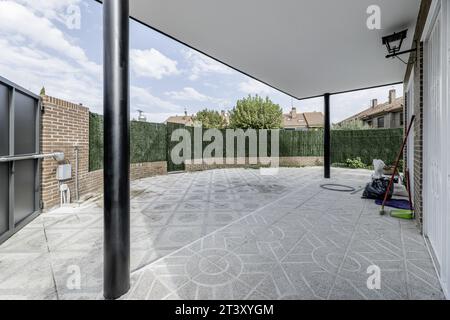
{"x": 400, "y": 190}
{"x": 379, "y": 167}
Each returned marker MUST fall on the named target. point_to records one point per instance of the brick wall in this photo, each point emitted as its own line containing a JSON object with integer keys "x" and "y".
{"x": 64, "y": 127}
{"x": 416, "y": 63}
{"x": 93, "y": 181}
{"x": 301, "y": 161}
{"x": 418, "y": 139}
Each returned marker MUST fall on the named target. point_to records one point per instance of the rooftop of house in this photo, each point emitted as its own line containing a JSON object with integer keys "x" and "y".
{"x": 394, "y": 104}
{"x": 314, "y": 119}
{"x": 303, "y": 120}
{"x": 189, "y": 120}
{"x": 185, "y": 119}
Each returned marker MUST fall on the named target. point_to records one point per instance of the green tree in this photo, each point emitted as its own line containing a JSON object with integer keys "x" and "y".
{"x": 256, "y": 113}
{"x": 352, "y": 125}
{"x": 210, "y": 119}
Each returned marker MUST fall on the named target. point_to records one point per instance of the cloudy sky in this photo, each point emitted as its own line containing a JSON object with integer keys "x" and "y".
{"x": 41, "y": 46}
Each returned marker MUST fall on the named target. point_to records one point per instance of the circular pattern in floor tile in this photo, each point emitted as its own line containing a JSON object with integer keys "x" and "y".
{"x": 214, "y": 267}
{"x": 267, "y": 233}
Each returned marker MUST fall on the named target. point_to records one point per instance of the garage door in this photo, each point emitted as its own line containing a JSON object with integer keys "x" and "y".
{"x": 19, "y": 172}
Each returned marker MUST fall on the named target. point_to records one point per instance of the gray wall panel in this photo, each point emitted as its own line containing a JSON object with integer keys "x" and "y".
{"x": 4, "y": 120}
{"x": 24, "y": 124}
{"x": 4, "y": 202}
{"x": 24, "y": 187}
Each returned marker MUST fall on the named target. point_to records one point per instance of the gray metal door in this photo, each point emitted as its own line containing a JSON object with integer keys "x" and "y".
{"x": 19, "y": 172}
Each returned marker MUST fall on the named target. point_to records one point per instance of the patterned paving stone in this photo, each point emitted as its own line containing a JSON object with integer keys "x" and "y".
{"x": 228, "y": 234}
{"x": 175, "y": 237}
{"x": 318, "y": 248}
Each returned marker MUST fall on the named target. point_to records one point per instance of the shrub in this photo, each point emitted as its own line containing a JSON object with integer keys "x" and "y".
{"x": 355, "y": 163}
{"x": 210, "y": 119}
{"x": 256, "y": 113}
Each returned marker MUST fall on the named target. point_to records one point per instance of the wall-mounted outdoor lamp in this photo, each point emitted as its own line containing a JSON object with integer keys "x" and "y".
{"x": 394, "y": 44}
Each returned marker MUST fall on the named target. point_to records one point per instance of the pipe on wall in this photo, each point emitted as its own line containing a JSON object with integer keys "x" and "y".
{"x": 58, "y": 156}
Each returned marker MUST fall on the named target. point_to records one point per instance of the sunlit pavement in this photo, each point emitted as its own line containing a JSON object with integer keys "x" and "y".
{"x": 228, "y": 234}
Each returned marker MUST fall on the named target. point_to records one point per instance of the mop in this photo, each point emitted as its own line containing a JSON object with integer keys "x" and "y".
{"x": 397, "y": 163}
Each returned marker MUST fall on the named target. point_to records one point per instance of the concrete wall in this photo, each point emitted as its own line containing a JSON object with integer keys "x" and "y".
{"x": 64, "y": 127}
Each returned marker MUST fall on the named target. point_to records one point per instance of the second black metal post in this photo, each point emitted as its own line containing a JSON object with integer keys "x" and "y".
{"x": 327, "y": 138}
{"x": 116, "y": 277}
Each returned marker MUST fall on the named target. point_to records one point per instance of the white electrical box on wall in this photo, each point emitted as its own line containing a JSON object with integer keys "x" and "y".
{"x": 64, "y": 172}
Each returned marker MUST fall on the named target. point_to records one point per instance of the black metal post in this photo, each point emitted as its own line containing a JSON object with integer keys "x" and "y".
{"x": 327, "y": 138}
{"x": 116, "y": 108}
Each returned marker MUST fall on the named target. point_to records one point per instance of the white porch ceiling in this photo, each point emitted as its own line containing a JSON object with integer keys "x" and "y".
{"x": 302, "y": 47}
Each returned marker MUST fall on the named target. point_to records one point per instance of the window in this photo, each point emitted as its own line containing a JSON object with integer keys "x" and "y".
{"x": 369, "y": 123}
{"x": 380, "y": 122}
{"x": 402, "y": 119}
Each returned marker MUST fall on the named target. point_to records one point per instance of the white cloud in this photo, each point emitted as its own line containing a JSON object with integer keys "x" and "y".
{"x": 202, "y": 65}
{"x": 35, "y": 53}
{"x": 18, "y": 21}
{"x": 34, "y": 68}
{"x": 152, "y": 64}
{"x": 187, "y": 94}
{"x": 49, "y": 8}
{"x": 190, "y": 94}
{"x": 252, "y": 86}
{"x": 56, "y": 10}
{"x": 143, "y": 99}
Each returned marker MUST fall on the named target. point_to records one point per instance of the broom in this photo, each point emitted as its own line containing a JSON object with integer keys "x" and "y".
{"x": 391, "y": 182}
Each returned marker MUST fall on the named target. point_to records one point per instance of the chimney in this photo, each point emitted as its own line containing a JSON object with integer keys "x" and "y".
{"x": 374, "y": 103}
{"x": 294, "y": 112}
{"x": 392, "y": 96}
{"x": 141, "y": 116}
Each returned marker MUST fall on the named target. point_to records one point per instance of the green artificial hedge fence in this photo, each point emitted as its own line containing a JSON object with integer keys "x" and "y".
{"x": 95, "y": 142}
{"x": 151, "y": 142}
{"x": 373, "y": 144}
{"x": 301, "y": 143}
{"x": 148, "y": 142}
{"x": 367, "y": 144}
